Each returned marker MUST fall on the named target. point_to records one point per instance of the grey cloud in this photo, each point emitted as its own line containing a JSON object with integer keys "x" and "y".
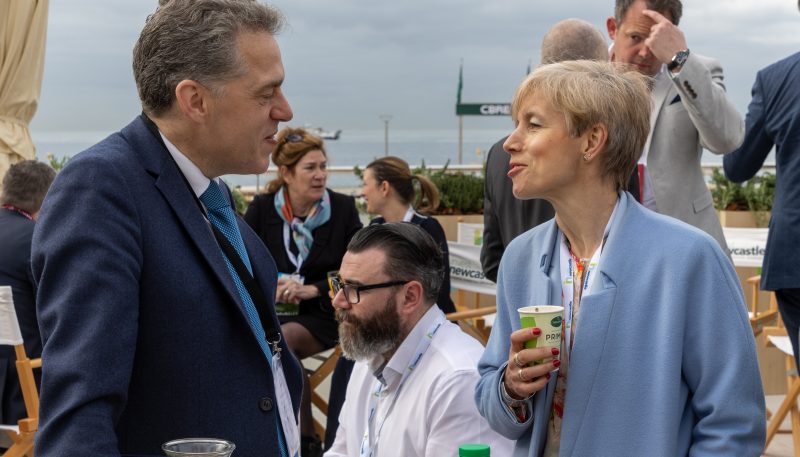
{"x": 347, "y": 61}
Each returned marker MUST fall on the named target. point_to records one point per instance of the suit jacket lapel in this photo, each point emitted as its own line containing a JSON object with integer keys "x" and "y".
{"x": 661, "y": 88}
{"x": 170, "y": 182}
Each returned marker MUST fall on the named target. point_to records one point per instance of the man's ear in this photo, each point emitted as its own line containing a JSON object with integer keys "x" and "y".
{"x": 611, "y": 26}
{"x": 193, "y": 100}
{"x": 413, "y": 298}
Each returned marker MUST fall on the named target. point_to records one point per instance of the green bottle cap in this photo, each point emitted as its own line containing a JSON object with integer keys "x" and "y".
{"x": 473, "y": 450}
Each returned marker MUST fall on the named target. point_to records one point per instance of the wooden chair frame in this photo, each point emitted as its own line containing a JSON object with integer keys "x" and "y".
{"x": 789, "y": 403}
{"x": 759, "y": 318}
{"x": 24, "y": 433}
{"x": 472, "y": 323}
{"x": 316, "y": 377}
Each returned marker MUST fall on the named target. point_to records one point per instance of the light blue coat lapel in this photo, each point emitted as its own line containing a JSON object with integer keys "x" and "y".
{"x": 592, "y": 330}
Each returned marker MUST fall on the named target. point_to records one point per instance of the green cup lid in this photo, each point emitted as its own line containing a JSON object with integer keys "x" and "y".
{"x": 473, "y": 450}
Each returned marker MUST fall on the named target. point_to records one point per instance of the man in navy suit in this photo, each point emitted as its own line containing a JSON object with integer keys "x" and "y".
{"x": 155, "y": 301}
{"x": 24, "y": 188}
{"x": 773, "y": 119}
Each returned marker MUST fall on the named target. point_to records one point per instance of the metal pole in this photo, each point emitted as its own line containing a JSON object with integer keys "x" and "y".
{"x": 460, "y": 138}
{"x": 385, "y": 137}
{"x": 385, "y": 118}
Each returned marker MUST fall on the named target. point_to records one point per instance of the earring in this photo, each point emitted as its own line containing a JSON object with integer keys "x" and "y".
{"x": 586, "y": 157}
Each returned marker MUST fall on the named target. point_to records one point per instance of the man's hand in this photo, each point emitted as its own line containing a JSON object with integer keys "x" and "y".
{"x": 665, "y": 39}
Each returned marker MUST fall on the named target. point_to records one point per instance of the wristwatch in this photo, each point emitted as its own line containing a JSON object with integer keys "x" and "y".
{"x": 678, "y": 60}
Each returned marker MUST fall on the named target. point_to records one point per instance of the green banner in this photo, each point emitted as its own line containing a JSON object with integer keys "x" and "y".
{"x": 483, "y": 109}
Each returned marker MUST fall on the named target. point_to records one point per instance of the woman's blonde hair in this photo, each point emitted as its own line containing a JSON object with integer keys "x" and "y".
{"x": 293, "y": 144}
{"x": 397, "y": 173}
{"x": 589, "y": 93}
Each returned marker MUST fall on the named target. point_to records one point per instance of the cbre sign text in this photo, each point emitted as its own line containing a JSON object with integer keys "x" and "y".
{"x": 483, "y": 109}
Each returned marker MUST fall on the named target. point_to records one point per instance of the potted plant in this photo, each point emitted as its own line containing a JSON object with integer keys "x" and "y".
{"x": 743, "y": 205}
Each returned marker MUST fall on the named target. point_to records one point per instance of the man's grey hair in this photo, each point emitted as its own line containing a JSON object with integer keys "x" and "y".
{"x": 670, "y": 8}
{"x": 573, "y": 39}
{"x": 25, "y": 185}
{"x": 195, "y": 40}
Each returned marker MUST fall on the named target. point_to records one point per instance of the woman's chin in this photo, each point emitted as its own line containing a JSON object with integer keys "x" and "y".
{"x": 521, "y": 193}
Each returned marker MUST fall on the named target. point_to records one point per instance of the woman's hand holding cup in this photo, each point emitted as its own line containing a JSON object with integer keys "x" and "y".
{"x": 528, "y": 370}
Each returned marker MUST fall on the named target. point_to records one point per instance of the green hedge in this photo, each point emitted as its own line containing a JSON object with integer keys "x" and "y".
{"x": 459, "y": 193}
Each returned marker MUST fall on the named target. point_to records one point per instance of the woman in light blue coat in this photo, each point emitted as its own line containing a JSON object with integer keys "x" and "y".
{"x": 657, "y": 356}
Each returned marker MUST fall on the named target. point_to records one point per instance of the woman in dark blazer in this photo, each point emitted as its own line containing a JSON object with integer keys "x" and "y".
{"x": 306, "y": 228}
{"x": 389, "y": 192}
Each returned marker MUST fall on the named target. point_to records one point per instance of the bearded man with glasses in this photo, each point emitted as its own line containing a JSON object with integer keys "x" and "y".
{"x": 411, "y": 390}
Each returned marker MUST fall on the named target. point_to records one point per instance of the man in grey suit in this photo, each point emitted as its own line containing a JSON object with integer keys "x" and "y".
{"x": 504, "y": 216}
{"x": 773, "y": 119}
{"x": 690, "y": 110}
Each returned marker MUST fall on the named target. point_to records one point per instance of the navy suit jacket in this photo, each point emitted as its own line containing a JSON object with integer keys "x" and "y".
{"x": 145, "y": 335}
{"x": 15, "y": 271}
{"x": 773, "y": 118}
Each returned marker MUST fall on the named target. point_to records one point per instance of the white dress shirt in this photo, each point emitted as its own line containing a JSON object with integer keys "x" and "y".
{"x": 660, "y": 82}
{"x": 434, "y": 412}
{"x": 197, "y": 180}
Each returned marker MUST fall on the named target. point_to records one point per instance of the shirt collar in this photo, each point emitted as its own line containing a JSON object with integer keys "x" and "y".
{"x": 389, "y": 373}
{"x": 409, "y": 214}
{"x": 197, "y": 180}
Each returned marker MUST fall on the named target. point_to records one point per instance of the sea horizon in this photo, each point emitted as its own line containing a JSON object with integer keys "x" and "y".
{"x": 433, "y": 147}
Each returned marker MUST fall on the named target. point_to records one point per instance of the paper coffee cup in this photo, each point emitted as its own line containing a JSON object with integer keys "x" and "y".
{"x": 548, "y": 319}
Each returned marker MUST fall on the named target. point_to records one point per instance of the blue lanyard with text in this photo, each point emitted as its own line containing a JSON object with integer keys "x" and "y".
{"x": 568, "y": 268}
{"x": 371, "y": 435}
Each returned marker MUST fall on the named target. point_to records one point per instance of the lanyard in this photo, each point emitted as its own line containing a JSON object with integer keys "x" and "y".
{"x": 271, "y": 335}
{"x": 371, "y": 435}
{"x": 296, "y": 260}
{"x": 290, "y": 427}
{"x": 22, "y": 212}
{"x": 568, "y": 268}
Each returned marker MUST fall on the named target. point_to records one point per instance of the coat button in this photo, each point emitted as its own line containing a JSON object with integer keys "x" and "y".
{"x": 265, "y": 404}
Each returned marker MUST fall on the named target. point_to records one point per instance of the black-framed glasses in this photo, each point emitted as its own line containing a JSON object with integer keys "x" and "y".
{"x": 294, "y": 138}
{"x": 352, "y": 293}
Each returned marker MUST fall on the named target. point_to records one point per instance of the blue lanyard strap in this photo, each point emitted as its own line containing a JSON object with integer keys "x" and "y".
{"x": 371, "y": 435}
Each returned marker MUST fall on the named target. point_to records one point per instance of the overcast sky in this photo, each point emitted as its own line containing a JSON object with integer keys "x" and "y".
{"x": 348, "y": 61}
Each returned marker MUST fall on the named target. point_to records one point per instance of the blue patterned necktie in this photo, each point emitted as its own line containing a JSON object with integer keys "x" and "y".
{"x": 221, "y": 216}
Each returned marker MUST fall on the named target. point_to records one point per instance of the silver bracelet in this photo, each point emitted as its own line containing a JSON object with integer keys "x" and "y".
{"x": 509, "y": 400}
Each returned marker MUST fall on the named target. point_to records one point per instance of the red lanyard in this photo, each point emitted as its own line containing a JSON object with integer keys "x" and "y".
{"x": 26, "y": 214}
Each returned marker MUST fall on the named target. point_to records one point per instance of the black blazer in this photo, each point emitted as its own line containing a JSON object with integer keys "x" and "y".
{"x": 504, "y": 216}
{"x": 330, "y": 242}
{"x": 16, "y": 232}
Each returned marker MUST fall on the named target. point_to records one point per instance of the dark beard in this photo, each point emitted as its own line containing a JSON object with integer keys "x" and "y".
{"x": 363, "y": 339}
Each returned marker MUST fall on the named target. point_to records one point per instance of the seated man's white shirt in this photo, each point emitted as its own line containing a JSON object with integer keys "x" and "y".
{"x": 434, "y": 413}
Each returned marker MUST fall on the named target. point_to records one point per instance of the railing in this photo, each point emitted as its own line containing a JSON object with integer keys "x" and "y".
{"x": 342, "y": 178}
